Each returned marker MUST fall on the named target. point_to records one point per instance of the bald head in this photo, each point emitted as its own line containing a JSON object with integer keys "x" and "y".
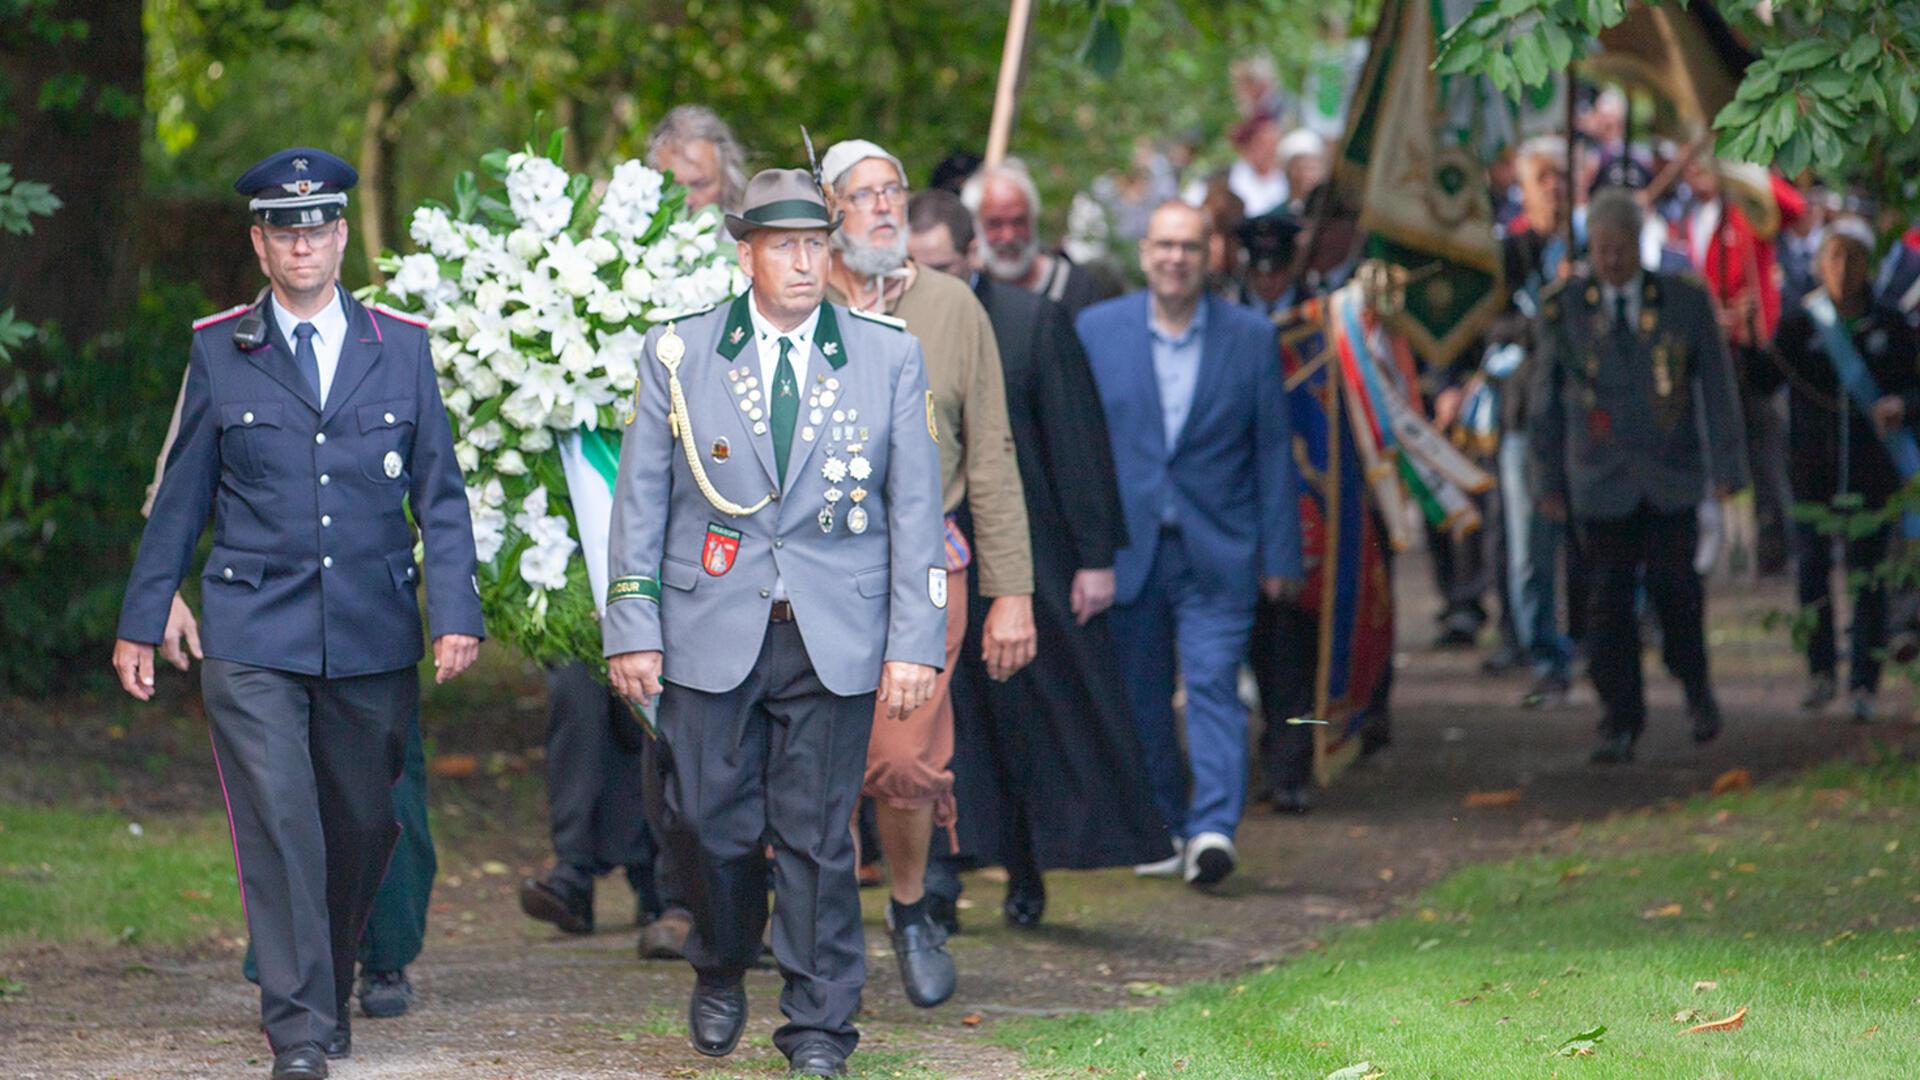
{"x": 1173, "y": 253}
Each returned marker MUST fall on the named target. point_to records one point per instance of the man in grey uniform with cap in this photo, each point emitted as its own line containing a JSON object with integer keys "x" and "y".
{"x": 776, "y": 554}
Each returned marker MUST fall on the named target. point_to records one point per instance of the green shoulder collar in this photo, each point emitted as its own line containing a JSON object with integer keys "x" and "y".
{"x": 739, "y": 328}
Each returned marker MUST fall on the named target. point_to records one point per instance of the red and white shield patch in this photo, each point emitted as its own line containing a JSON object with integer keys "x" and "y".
{"x": 717, "y": 554}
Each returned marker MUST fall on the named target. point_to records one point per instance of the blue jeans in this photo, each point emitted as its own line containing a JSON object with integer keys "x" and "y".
{"x": 1533, "y": 554}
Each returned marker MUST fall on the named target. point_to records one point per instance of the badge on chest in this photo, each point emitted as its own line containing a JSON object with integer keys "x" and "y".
{"x": 721, "y": 547}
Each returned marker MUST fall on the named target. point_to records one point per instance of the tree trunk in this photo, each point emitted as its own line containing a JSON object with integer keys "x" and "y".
{"x": 379, "y": 148}
{"x": 76, "y": 269}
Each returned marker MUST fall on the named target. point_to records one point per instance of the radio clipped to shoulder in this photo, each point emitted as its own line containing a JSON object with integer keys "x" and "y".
{"x": 250, "y": 332}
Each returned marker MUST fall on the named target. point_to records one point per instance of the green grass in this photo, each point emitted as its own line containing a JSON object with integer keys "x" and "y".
{"x": 1801, "y": 902}
{"x": 85, "y": 877}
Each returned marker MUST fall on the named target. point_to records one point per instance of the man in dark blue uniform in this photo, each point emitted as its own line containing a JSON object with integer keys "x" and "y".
{"x": 312, "y": 430}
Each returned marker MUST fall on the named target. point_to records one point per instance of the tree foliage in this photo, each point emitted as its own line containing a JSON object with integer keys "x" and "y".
{"x": 1837, "y": 82}
{"x": 231, "y": 80}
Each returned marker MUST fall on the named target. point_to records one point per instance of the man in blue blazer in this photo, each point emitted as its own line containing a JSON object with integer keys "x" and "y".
{"x": 1197, "y": 416}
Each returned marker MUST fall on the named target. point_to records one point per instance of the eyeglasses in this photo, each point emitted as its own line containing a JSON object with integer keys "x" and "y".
{"x": 286, "y": 238}
{"x": 1176, "y": 247}
{"x": 863, "y": 198}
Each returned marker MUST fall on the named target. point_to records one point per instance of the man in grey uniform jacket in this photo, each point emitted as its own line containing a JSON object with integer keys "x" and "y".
{"x": 1634, "y": 420}
{"x": 776, "y": 555}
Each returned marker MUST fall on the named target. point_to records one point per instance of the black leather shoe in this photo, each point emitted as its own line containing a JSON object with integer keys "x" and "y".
{"x": 385, "y": 994}
{"x": 340, "y": 1043}
{"x": 549, "y": 901}
{"x": 1289, "y": 800}
{"x": 1706, "y": 719}
{"x": 926, "y": 967}
{"x": 944, "y": 912}
{"x": 817, "y": 1058}
{"x": 304, "y": 1061}
{"x": 1026, "y": 902}
{"x": 715, "y": 1018}
{"x": 1614, "y": 749}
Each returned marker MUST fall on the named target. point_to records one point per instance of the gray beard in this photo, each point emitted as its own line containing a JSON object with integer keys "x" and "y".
{"x": 1014, "y": 269}
{"x": 872, "y": 260}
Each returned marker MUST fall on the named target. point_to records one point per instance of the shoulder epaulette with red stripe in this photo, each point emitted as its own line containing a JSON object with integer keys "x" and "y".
{"x": 223, "y": 316}
{"x": 409, "y": 317}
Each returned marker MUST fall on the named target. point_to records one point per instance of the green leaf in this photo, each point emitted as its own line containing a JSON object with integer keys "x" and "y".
{"x": 466, "y": 195}
{"x": 1760, "y": 81}
{"x": 1530, "y": 59}
{"x": 1906, "y": 105}
{"x": 13, "y": 333}
{"x": 557, "y": 146}
{"x": 495, "y": 162}
{"x": 1780, "y": 118}
{"x": 486, "y": 411}
{"x": 1806, "y": 53}
{"x": 1460, "y": 56}
{"x": 1737, "y": 113}
{"x": 1105, "y": 44}
{"x": 1864, "y": 48}
{"x": 1559, "y": 45}
{"x": 1583, "y": 1044}
{"x": 1792, "y": 155}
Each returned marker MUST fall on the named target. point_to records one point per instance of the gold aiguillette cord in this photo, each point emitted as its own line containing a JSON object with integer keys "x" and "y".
{"x": 670, "y": 349}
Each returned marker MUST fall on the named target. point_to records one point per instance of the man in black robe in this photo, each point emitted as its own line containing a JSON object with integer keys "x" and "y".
{"x": 1048, "y": 770}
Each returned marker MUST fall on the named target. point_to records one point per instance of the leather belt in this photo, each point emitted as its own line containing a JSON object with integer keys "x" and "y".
{"x": 782, "y": 612}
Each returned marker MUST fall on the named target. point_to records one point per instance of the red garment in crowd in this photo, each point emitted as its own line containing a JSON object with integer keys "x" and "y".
{"x": 1736, "y": 260}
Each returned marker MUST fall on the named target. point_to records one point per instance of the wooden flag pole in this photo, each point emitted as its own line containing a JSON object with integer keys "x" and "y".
{"x": 1006, "y": 96}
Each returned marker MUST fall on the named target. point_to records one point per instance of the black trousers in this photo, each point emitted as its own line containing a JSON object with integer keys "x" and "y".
{"x": 307, "y": 766}
{"x": 594, "y": 777}
{"x": 1283, "y": 655}
{"x": 1868, "y": 634}
{"x": 1655, "y": 549}
{"x": 778, "y": 759}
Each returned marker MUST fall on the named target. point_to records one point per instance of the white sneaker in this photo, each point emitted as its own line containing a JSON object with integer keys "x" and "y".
{"x": 1210, "y": 858}
{"x": 1172, "y": 866}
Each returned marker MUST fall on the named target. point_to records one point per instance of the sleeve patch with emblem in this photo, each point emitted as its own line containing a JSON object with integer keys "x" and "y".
{"x": 937, "y": 586}
{"x": 633, "y": 587}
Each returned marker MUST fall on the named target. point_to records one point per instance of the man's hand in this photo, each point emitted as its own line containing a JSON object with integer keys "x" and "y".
{"x": 133, "y": 662}
{"x": 904, "y": 687}
{"x": 1446, "y": 407}
{"x": 453, "y": 654}
{"x": 182, "y": 630}
{"x": 1889, "y": 413}
{"x": 1092, "y": 593}
{"x": 1009, "y": 637}
{"x": 636, "y": 675}
{"x": 1276, "y": 589}
{"x": 1552, "y": 507}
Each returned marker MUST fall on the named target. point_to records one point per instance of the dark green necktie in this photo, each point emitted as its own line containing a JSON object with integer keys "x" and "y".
{"x": 785, "y": 407}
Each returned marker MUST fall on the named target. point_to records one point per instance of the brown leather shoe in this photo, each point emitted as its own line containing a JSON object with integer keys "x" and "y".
{"x": 665, "y": 938}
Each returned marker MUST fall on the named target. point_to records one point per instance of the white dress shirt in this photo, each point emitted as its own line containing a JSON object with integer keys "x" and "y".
{"x": 329, "y": 334}
{"x": 766, "y": 338}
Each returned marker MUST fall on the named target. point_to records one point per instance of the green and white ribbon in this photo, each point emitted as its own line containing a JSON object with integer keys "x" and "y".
{"x": 591, "y": 460}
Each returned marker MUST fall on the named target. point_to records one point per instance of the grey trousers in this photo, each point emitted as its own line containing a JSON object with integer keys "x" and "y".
{"x": 778, "y": 759}
{"x": 307, "y": 766}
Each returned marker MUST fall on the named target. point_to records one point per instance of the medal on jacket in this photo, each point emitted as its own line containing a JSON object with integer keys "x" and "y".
{"x": 391, "y": 465}
{"x": 1662, "y": 371}
{"x": 1599, "y": 425}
